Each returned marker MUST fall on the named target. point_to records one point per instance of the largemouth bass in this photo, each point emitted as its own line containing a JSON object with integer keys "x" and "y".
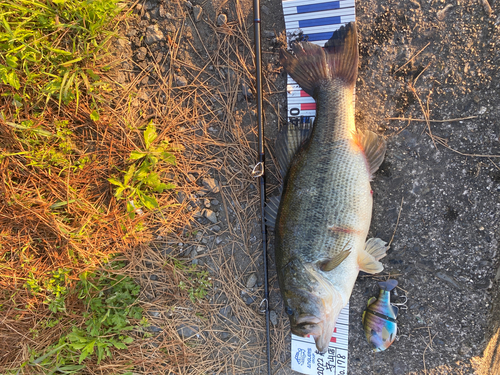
{"x": 325, "y": 208}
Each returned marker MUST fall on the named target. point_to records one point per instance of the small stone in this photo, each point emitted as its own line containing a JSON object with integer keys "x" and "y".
{"x": 162, "y": 12}
{"x": 211, "y": 185}
{"x": 153, "y": 34}
{"x": 154, "y": 277}
{"x": 150, "y": 5}
{"x": 273, "y": 317}
{"x": 221, "y": 20}
{"x": 245, "y": 90}
{"x": 265, "y": 10}
{"x": 218, "y": 240}
{"x": 141, "y": 53}
{"x": 197, "y": 10}
{"x": 225, "y": 311}
{"x": 398, "y": 368}
{"x": 464, "y": 350}
{"x": 481, "y": 111}
{"x": 181, "y": 196}
{"x": 154, "y": 329}
{"x": 143, "y": 96}
{"x": 206, "y": 202}
{"x": 145, "y": 80}
{"x": 193, "y": 254}
{"x": 210, "y": 215}
{"x": 121, "y": 77}
{"x": 216, "y": 228}
{"x": 154, "y": 314}
{"x": 180, "y": 81}
{"x": 268, "y": 34}
{"x": 251, "y": 281}
{"x": 186, "y": 331}
{"x": 250, "y": 300}
{"x": 215, "y": 202}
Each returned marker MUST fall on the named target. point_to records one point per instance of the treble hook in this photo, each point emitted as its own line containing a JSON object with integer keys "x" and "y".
{"x": 402, "y": 304}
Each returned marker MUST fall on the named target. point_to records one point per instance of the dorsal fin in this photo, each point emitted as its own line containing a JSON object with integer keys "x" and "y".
{"x": 272, "y": 210}
{"x": 288, "y": 142}
{"x": 373, "y": 147}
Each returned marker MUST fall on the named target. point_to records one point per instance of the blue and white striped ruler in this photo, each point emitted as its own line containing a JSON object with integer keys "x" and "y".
{"x": 316, "y": 19}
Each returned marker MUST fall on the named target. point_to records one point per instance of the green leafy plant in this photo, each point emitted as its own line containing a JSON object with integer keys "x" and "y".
{"x": 142, "y": 179}
{"x": 199, "y": 281}
{"x": 110, "y": 305}
{"x": 54, "y": 286}
{"x": 47, "y": 149}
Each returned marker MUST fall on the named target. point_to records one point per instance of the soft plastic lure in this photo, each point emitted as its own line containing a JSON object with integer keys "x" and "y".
{"x": 379, "y": 318}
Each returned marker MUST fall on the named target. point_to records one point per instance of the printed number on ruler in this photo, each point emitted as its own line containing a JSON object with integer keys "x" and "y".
{"x": 298, "y": 120}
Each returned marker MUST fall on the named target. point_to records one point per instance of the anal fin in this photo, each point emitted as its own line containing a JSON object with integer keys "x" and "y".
{"x": 368, "y": 259}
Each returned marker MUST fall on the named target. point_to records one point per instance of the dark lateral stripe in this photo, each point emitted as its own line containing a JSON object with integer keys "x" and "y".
{"x": 385, "y": 317}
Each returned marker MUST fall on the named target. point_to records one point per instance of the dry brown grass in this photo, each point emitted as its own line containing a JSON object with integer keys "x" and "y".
{"x": 84, "y": 233}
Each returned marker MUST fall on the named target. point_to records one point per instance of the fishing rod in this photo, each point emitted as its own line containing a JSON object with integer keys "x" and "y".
{"x": 259, "y": 170}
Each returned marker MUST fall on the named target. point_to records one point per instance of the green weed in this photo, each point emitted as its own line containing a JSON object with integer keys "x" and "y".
{"x": 142, "y": 179}
{"x": 110, "y": 305}
{"x": 54, "y": 287}
{"x": 199, "y": 281}
{"x": 45, "y": 47}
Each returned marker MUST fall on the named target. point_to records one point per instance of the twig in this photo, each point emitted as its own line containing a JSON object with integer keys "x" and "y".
{"x": 418, "y": 53}
{"x": 424, "y": 120}
{"x": 397, "y": 222}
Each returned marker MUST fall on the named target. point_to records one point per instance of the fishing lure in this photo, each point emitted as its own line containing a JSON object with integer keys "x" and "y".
{"x": 379, "y": 318}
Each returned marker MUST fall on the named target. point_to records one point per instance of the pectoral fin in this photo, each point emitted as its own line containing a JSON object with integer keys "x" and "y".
{"x": 330, "y": 264}
{"x": 368, "y": 259}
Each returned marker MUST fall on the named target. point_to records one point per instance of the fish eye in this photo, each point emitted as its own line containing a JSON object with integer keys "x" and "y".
{"x": 288, "y": 310}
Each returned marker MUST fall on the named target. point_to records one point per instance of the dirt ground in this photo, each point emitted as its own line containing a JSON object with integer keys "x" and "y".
{"x": 436, "y": 196}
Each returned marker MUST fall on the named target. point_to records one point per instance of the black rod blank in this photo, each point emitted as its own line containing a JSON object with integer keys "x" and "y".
{"x": 262, "y": 185}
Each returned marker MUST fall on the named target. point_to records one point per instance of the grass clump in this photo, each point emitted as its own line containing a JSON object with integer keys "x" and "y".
{"x": 107, "y": 303}
{"x": 47, "y": 48}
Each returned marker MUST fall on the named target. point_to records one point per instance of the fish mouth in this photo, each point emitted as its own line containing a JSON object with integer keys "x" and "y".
{"x": 307, "y": 325}
{"x": 320, "y": 330}
{"x": 323, "y": 338}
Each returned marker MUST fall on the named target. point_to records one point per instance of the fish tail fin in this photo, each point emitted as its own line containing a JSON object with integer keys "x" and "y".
{"x": 388, "y": 285}
{"x": 312, "y": 64}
